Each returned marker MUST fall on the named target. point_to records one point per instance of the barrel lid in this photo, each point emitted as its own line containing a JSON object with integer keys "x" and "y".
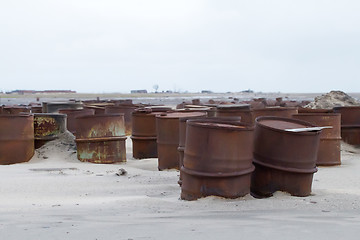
{"x": 233, "y": 106}
{"x": 283, "y": 124}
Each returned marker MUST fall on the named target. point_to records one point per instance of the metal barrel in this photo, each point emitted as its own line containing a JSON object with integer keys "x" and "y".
{"x": 329, "y": 146}
{"x": 47, "y": 127}
{"x": 236, "y": 110}
{"x": 127, "y": 110}
{"x": 310, "y": 110}
{"x": 144, "y": 131}
{"x": 217, "y": 159}
{"x": 15, "y": 109}
{"x": 53, "y": 107}
{"x": 286, "y": 112}
{"x": 16, "y": 138}
{"x": 72, "y": 114}
{"x": 36, "y": 109}
{"x": 284, "y": 160}
{"x": 101, "y": 138}
{"x": 350, "y": 124}
{"x": 167, "y": 131}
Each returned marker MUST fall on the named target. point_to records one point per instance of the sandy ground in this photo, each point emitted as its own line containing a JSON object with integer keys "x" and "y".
{"x": 55, "y": 196}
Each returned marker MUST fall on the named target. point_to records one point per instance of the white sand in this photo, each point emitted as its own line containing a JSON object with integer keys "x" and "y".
{"x": 59, "y": 197}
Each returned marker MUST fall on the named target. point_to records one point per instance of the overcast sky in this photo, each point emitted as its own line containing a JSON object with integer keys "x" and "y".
{"x": 116, "y": 46}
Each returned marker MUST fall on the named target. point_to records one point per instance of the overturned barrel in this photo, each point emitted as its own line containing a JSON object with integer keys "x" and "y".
{"x": 16, "y": 138}
{"x": 144, "y": 131}
{"x": 285, "y": 156}
{"x": 101, "y": 138}
{"x": 217, "y": 160}
{"x": 167, "y": 129}
{"x": 236, "y": 110}
{"x": 72, "y": 114}
{"x": 350, "y": 124}
{"x": 47, "y": 127}
{"x": 329, "y": 146}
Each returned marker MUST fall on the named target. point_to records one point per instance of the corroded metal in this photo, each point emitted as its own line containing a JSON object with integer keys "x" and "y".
{"x": 351, "y": 134}
{"x": 53, "y": 107}
{"x": 167, "y": 129}
{"x": 36, "y": 109}
{"x": 310, "y": 110}
{"x": 329, "y": 146}
{"x": 144, "y": 132}
{"x": 235, "y": 110}
{"x": 286, "y": 112}
{"x": 101, "y": 138}
{"x": 98, "y": 110}
{"x": 127, "y": 110}
{"x": 72, "y": 114}
{"x": 15, "y": 109}
{"x": 284, "y": 160}
{"x": 350, "y": 124}
{"x": 16, "y": 138}
{"x": 217, "y": 160}
{"x": 47, "y": 127}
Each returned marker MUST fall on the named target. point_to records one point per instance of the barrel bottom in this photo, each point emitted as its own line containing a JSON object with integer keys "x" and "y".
{"x": 351, "y": 135}
{"x": 265, "y": 181}
{"x": 144, "y": 148}
{"x": 194, "y": 187}
{"x": 329, "y": 152}
{"x": 168, "y": 156}
{"x": 103, "y": 151}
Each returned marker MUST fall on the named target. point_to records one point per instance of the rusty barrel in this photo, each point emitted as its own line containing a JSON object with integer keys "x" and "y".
{"x": 235, "y": 110}
{"x": 36, "y": 109}
{"x": 15, "y": 109}
{"x": 53, "y": 107}
{"x": 317, "y": 110}
{"x": 72, "y": 114}
{"x": 217, "y": 159}
{"x": 167, "y": 132}
{"x": 144, "y": 131}
{"x": 47, "y": 127}
{"x": 16, "y": 138}
{"x": 127, "y": 110}
{"x": 286, "y": 112}
{"x": 350, "y": 124}
{"x": 329, "y": 146}
{"x": 101, "y": 138}
{"x": 284, "y": 160}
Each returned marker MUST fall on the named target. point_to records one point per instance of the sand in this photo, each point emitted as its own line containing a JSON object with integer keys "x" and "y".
{"x": 55, "y": 196}
{"x": 333, "y": 99}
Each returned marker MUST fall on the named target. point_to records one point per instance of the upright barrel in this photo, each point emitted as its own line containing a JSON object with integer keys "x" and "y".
{"x": 236, "y": 110}
{"x": 284, "y": 159}
{"x": 217, "y": 159}
{"x": 329, "y": 146}
{"x": 16, "y": 138}
{"x": 47, "y": 127}
{"x": 127, "y": 110}
{"x": 350, "y": 124}
{"x": 101, "y": 138}
{"x": 53, "y": 107}
{"x": 72, "y": 114}
{"x": 285, "y": 112}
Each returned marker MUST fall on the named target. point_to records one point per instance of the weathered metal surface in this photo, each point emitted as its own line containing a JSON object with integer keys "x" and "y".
{"x": 167, "y": 131}
{"x": 232, "y": 110}
{"x": 36, "y": 109}
{"x": 182, "y": 133}
{"x": 329, "y": 146}
{"x": 217, "y": 160}
{"x": 47, "y": 127}
{"x": 281, "y": 155}
{"x": 53, "y": 107}
{"x": 101, "y": 138}
{"x": 15, "y": 109}
{"x": 144, "y": 132}
{"x": 350, "y": 124}
{"x": 16, "y": 138}
{"x": 310, "y": 110}
{"x": 286, "y": 112}
{"x": 71, "y": 117}
{"x": 127, "y": 110}
{"x": 98, "y": 110}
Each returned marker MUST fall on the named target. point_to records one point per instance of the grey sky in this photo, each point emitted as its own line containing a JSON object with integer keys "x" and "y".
{"x": 116, "y": 46}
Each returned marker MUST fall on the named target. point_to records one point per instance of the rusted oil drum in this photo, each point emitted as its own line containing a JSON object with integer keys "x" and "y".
{"x": 127, "y": 110}
{"x": 53, "y": 107}
{"x": 329, "y": 146}
{"x": 284, "y": 160}
{"x": 36, "y": 109}
{"x": 47, "y": 127}
{"x": 286, "y": 112}
{"x": 144, "y": 132}
{"x": 98, "y": 110}
{"x": 350, "y": 124}
{"x": 71, "y": 117}
{"x": 101, "y": 138}
{"x": 311, "y": 110}
{"x": 217, "y": 160}
{"x": 15, "y": 109}
{"x": 235, "y": 110}
{"x": 167, "y": 131}
{"x": 16, "y": 138}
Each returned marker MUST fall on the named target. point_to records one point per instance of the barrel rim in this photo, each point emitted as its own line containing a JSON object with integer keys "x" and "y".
{"x": 101, "y": 115}
{"x": 346, "y": 107}
{"x": 200, "y": 123}
{"x": 234, "y": 106}
{"x": 317, "y": 114}
{"x": 270, "y": 109}
{"x": 22, "y": 114}
{"x": 50, "y": 115}
{"x": 286, "y": 169}
{"x": 218, "y": 174}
